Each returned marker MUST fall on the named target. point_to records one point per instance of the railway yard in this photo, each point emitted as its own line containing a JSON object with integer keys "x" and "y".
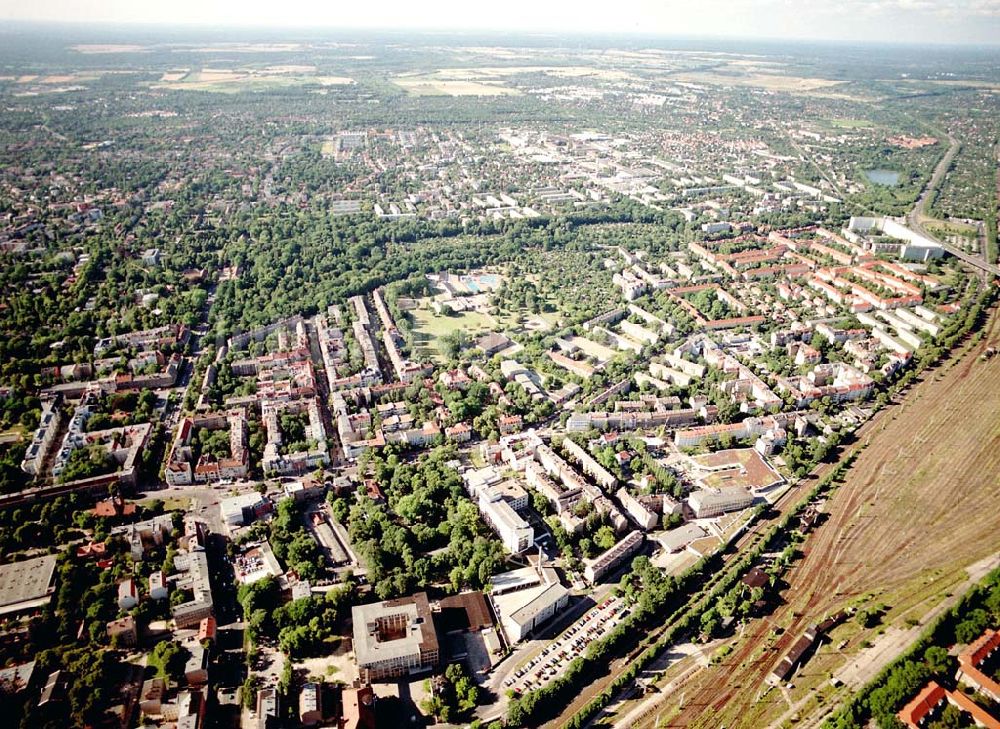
{"x": 902, "y": 531}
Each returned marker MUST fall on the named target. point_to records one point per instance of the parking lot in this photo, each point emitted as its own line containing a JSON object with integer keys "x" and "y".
{"x": 551, "y": 662}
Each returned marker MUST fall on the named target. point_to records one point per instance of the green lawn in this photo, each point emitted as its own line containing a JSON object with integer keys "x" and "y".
{"x": 428, "y": 328}
{"x": 850, "y": 123}
{"x": 170, "y": 504}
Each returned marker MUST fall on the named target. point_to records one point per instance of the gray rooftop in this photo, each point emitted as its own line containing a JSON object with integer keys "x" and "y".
{"x": 24, "y": 582}
{"x": 372, "y": 644}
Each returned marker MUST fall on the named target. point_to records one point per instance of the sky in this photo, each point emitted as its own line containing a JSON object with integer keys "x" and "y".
{"x": 896, "y": 21}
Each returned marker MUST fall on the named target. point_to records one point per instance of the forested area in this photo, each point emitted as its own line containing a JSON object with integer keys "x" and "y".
{"x": 969, "y": 187}
{"x": 70, "y": 633}
{"x": 309, "y": 626}
{"x": 426, "y": 533}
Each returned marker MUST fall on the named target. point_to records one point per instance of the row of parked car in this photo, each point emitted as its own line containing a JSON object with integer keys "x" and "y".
{"x": 571, "y": 644}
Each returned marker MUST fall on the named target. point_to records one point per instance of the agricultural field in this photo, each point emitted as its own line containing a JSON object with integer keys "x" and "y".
{"x": 492, "y": 81}
{"x": 472, "y": 74}
{"x": 223, "y": 80}
{"x": 99, "y": 48}
{"x": 46, "y": 83}
{"x": 437, "y": 85}
{"x": 768, "y": 81}
{"x": 902, "y": 531}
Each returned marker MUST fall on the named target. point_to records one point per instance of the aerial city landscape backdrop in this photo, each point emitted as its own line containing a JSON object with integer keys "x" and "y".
{"x": 536, "y": 364}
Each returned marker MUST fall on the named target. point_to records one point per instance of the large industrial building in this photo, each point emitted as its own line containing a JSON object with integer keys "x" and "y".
{"x": 27, "y": 585}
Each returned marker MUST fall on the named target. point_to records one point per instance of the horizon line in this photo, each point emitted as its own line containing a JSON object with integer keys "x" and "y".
{"x": 320, "y": 29}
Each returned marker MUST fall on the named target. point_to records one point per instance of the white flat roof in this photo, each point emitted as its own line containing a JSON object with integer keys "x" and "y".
{"x": 522, "y": 606}
{"x": 517, "y": 579}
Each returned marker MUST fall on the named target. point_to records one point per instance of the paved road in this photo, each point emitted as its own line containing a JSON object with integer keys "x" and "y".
{"x": 919, "y": 210}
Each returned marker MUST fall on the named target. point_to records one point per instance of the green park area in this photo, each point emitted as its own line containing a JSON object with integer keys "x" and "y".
{"x": 430, "y": 328}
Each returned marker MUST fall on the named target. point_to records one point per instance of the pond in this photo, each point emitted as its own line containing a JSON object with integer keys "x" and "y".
{"x": 890, "y": 178}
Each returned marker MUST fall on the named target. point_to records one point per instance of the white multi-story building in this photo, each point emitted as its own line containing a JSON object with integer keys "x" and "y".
{"x": 601, "y": 565}
{"x": 41, "y": 442}
{"x": 640, "y": 514}
{"x": 708, "y": 504}
{"x": 536, "y": 611}
{"x": 515, "y": 533}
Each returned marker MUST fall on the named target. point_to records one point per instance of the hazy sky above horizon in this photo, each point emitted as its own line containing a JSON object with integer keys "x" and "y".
{"x": 935, "y": 21}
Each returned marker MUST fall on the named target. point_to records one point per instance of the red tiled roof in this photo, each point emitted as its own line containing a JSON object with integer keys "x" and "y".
{"x": 981, "y": 717}
{"x": 980, "y": 649}
{"x": 922, "y": 704}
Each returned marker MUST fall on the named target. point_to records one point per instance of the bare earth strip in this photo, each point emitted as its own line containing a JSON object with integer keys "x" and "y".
{"x": 430, "y": 86}
{"x": 88, "y": 48}
{"x": 769, "y": 81}
{"x": 917, "y": 510}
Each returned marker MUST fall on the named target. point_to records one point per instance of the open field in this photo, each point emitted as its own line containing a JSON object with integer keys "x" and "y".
{"x": 428, "y": 328}
{"x": 768, "y": 81}
{"x": 14, "y": 434}
{"x": 55, "y": 79}
{"x": 433, "y": 86}
{"x": 911, "y": 517}
{"x": 171, "y": 503}
{"x": 94, "y": 48}
{"x": 237, "y": 47}
{"x": 336, "y": 666}
{"x": 592, "y": 349}
{"x": 850, "y": 123}
{"x": 949, "y": 227}
{"x": 568, "y": 72}
{"x": 233, "y": 80}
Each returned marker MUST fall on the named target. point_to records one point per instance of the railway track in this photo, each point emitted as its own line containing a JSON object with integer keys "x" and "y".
{"x": 873, "y": 542}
